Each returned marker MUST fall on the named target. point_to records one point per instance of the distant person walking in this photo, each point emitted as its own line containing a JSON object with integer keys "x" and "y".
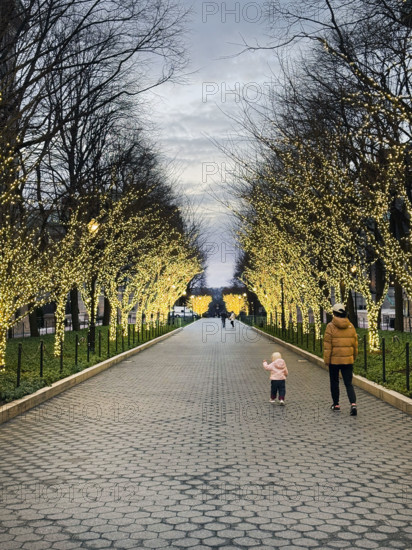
{"x": 278, "y": 373}
{"x": 340, "y": 350}
{"x": 232, "y": 319}
{"x": 223, "y": 316}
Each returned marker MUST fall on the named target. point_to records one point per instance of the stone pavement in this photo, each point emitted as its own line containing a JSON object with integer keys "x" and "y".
{"x": 180, "y": 448}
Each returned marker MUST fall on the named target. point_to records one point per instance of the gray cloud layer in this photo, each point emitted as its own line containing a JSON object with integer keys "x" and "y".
{"x": 186, "y": 115}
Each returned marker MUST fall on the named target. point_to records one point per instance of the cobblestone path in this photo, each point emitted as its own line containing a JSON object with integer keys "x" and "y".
{"x": 179, "y": 447}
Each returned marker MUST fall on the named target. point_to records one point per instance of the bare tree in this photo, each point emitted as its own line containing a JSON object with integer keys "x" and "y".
{"x": 52, "y": 43}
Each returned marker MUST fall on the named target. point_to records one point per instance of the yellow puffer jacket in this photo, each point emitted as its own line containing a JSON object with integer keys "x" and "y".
{"x": 340, "y": 343}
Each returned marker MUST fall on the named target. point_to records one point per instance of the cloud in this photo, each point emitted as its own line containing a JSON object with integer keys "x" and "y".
{"x": 187, "y": 115}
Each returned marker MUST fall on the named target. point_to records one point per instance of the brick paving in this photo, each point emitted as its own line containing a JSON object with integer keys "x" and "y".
{"x": 179, "y": 447}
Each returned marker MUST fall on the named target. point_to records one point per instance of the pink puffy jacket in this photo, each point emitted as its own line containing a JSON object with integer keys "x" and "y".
{"x": 278, "y": 369}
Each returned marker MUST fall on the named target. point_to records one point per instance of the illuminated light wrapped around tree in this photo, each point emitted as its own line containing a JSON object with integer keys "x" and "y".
{"x": 200, "y": 303}
{"x": 236, "y": 303}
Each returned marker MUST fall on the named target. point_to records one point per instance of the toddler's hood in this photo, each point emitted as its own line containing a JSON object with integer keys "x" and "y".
{"x": 280, "y": 363}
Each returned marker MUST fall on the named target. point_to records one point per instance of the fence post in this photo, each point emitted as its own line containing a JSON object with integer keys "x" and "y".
{"x": 76, "y": 351}
{"x": 108, "y": 342}
{"x": 128, "y": 335}
{"x": 20, "y": 348}
{"x": 134, "y": 331}
{"x": 100, "y": 343}
{"x": 407, "y": 366}
{"x": 41, "y": 358}
{"x": 314, "y": 339}
{"x": 122, "y": 339}
{"x": 116, "y": 338}
{"x": 383, "y": 361}
{"x": 88, "y": 348}
{"x": 365, "y": 353}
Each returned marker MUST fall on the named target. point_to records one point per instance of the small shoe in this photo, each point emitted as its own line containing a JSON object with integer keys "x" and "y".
{"x": 353, "y": 410}
{"x": 281, "y": 402}
{"x": 335, "y": 408}
{"x": 272, "y": 401}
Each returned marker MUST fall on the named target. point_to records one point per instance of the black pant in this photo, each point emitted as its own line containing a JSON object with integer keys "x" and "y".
{"x": 232, "y": 323}
{"x": 347, "y": 372}
{"x": 277, "y": 386}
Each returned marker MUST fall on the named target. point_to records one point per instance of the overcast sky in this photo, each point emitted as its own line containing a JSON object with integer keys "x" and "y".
{"x": 188, "y": 115}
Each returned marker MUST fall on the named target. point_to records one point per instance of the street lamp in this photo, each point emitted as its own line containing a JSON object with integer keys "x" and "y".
{"x": 283, "y": 304}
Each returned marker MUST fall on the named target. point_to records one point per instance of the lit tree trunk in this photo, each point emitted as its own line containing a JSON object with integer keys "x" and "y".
{"x": 381, "y": 286}
{"x": 305, "y": 320}
{"x": 124, "y": 318}
{"x": 60, "y": 316}
{"x": 318, "y": 322}
{"x": 112, "y": 298}
{"x": 3, "y": 344}
{"x": 93, "y": 312}
{"x": 294, "y": 313}
{"x": 374, "y": 310}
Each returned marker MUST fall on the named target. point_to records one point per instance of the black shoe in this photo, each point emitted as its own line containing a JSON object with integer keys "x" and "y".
{"x": 335, "y": 408}
{"x": 353, "y": 410}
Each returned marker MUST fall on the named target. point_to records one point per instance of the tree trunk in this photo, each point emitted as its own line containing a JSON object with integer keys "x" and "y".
{"x": 342, "y": 290}
{"x": 351, "y": 311}
{"x": 74, "y": 308}
{"x": 34, "y": 329}
{"x": 398, "y": 307}
{"x": 59, "y": 316}
{"x": 3, "y": 344}
{"x": 107, "y": 312}
{"x": 380, "y": 286}
{"x": 93, "y": 311}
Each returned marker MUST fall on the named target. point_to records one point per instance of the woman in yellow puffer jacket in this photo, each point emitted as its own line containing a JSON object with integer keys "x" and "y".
{"x": 339, "y": 352}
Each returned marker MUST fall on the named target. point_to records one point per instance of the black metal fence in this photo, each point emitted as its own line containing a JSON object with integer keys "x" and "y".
{"x": 37, "y": 359}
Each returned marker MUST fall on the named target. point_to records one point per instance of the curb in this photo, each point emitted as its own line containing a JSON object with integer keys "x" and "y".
{"x": 392, "y": 397}
{"x": 20, "y": 406}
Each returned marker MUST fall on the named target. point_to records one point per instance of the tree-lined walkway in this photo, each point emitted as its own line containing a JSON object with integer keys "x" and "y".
{"x": 179, "y": 447}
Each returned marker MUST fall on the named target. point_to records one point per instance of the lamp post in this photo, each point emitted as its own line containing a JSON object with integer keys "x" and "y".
{"x": 283, "y": 305}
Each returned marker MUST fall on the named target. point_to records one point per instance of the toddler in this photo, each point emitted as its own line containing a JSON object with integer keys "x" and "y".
{"x": 278, "y": 374}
